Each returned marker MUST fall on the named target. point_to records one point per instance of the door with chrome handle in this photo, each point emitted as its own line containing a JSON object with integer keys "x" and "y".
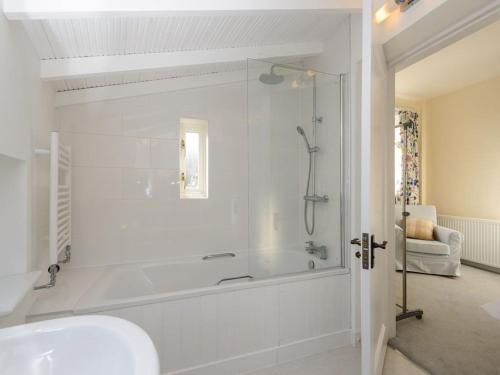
{"x": 364, "y": 246}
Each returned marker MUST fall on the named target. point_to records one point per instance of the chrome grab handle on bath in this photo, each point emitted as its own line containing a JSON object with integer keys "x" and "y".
{"x": 316, "y": 198}
{"x": 234, "y": 278}
{"x": 221, "y": 255}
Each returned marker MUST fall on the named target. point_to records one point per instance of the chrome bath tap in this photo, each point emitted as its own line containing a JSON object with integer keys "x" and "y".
{"x": 319, "y": 251}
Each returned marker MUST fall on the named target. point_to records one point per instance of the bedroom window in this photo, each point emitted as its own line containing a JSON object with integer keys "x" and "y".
{"x": 193, "y": 159}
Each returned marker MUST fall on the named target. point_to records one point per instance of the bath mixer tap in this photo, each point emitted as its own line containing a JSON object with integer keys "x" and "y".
{"x": 319, "y": 251}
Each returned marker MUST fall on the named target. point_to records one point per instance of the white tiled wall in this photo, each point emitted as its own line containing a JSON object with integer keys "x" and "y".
{"x": 126, "y": 204}
{"x": 274, "y": 167}
{"x": 267, "y": 324}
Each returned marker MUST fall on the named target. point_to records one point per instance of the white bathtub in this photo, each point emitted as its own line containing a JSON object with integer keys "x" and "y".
{"x": 199, "y": 327}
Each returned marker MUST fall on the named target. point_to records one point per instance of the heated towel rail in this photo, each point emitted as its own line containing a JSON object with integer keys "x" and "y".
{"x": 59, "y": 206}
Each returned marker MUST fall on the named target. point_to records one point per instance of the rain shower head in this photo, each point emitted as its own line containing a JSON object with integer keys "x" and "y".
{"x": 271, "y": 78}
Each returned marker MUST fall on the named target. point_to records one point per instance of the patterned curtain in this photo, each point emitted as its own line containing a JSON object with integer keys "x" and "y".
{"x": 410, "y": 156}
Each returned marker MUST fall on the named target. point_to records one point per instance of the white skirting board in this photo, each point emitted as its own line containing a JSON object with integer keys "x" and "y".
{"x": 272, "y": 356}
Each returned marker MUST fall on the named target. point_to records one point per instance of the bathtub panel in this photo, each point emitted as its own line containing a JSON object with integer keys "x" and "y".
{"x": 152, "y": 323}
{"x": 247, "y": 321}
{"x": 208, "y": 305}
{"x": 230, "y": 329}
{"x": 182, "y": 334}
{"x": 313, "y": 307}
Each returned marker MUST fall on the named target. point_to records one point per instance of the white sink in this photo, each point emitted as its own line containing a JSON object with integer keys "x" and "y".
{"x": 83, "y": 345}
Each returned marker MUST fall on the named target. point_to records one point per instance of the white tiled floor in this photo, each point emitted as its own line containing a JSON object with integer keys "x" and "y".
{"x": 343, "y": 361}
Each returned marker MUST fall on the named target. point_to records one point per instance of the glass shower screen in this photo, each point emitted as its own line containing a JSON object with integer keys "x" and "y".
{"x": 296, "y": 176}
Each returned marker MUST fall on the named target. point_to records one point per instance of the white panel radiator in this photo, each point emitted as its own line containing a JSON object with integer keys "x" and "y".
{"x": 481, "y": 238}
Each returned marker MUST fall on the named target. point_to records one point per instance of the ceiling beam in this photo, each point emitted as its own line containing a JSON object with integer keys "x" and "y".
{"x": 96, "y": 94}
{"x": 70, "y": 68}
{"x": 58, "y": 9}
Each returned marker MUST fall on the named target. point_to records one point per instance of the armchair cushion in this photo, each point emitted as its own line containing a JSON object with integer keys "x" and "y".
{"x": 427, "y": 247}
{"x": 419, "y": 229}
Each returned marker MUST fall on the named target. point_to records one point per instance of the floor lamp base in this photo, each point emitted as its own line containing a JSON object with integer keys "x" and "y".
{"x": 417, "y": 313}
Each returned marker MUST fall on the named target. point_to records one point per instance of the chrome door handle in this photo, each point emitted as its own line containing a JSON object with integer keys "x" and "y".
{"x": 375, "y": 245}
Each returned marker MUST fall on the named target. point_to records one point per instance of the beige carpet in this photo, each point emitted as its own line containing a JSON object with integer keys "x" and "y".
{"x": 456, "y": 336}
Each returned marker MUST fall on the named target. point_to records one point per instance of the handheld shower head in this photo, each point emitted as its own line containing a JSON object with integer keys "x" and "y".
{"x": 301, "y": 131}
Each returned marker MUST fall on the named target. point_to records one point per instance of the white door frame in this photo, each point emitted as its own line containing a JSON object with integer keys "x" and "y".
{"x": 447, "y": 35}
{"x": 421, "y": 47}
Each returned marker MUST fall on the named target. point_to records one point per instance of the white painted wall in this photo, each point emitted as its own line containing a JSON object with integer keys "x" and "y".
{"x": 13, "y": 220}
{"x": 27, "y": 110}
{"x": 126, "y": 204}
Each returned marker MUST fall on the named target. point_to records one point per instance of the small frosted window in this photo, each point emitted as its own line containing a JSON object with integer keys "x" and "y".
{"x": 193, "y": 159}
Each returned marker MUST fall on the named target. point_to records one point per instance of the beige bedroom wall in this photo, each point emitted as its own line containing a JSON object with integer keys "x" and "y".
{"x": 461, "y": 150}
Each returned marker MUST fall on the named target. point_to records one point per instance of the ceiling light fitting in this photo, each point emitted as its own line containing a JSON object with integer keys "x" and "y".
{"x": 405, "y": 4}
{"x": 390, "y": 6}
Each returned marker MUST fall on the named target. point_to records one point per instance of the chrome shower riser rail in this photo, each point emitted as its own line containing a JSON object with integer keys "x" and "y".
{"x": 234, "y": 278}
{"x": 221, "y": 255}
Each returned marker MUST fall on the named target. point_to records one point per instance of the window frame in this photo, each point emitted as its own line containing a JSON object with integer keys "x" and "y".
{"x": 190, "y": 125}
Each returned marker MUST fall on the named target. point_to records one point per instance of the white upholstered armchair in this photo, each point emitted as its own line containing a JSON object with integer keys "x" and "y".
{"x": 440, "y": 256}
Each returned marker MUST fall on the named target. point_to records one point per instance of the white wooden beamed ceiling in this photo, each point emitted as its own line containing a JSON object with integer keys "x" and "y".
{"x": 56, "y": 39}
{"x": 97, "y": 47}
